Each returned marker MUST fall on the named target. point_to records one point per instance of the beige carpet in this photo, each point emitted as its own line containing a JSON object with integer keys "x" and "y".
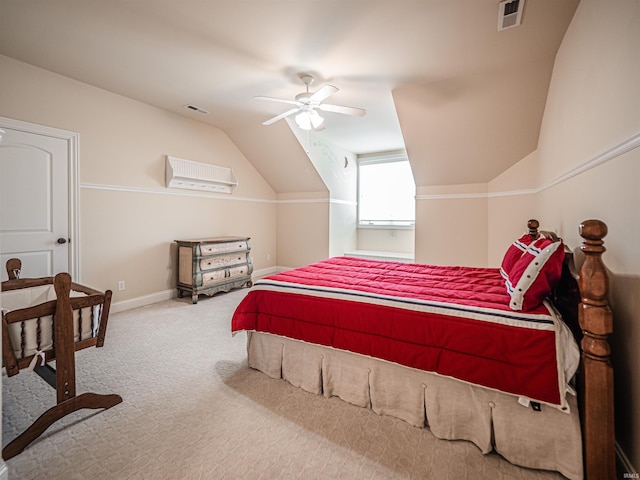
{"x": 193, "y": 410}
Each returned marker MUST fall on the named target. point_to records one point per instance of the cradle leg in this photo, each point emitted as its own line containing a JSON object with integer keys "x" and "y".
{"x": 48, "y": 418}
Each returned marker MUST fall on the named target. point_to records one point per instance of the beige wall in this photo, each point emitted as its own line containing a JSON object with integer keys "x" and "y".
{"x": 303, "y": 228}
{"x": 128, "y": 219}
{"x": 512, "y": 202}
{"x": 587, "y": 166}
{"x": 396, "y": 240}
{"x": 451, "y": 225}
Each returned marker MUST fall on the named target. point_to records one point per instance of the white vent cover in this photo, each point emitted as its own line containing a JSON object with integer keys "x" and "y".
{"x": 181, "y": 173}
{"x": 196, "y": 109}
{"x": 510, "y": 14}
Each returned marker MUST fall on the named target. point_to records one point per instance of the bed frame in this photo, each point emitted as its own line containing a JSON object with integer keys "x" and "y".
{"x": 582, "y": 300}
{"x": 63, "y": 348}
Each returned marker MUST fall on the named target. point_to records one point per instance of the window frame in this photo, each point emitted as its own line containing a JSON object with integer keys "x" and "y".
{"x": 377, "y": 158}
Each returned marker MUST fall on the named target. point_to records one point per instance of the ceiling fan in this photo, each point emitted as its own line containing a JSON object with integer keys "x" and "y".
{"x": 307, "y": 106}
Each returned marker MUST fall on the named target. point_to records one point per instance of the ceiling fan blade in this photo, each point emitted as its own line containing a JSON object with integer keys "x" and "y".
{"x": 323, "y": 93}
{"x": 356, "y": 112}
{"x": 281, "y": 100}
{"x": 281, "y": 116}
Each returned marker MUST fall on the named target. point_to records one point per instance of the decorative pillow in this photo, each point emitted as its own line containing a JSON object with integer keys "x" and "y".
{"x": 535, "y": 273}
{"x": 513, "y": 254}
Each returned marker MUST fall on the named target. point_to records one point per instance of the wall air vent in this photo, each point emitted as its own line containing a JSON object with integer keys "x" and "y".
{"x": 180, "y": 173}
{"x": 510, "y": 14}
{"x": 196, "y": 109}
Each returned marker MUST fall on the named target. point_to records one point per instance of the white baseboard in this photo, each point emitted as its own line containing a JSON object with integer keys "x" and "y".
{"x": 168, "y": 295}
{"x": 4, "y": 471}
{"x": 143, "y": 301}
{"x": 266, "y": 271}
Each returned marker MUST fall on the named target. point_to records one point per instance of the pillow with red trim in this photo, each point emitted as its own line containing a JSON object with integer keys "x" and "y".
{"x": 535, "y": 274}
{"x": 513, "y": 254}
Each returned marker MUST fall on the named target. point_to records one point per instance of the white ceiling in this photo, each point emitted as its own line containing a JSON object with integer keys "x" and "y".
{"x": 469, "y": 98}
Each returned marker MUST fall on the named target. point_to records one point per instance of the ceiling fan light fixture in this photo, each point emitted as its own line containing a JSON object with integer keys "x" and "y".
{"x": 307, "y": 105}
{"x": 309, "y": 120}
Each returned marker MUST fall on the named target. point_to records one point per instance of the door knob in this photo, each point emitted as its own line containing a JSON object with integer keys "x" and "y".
{"x": 62, "y": 240}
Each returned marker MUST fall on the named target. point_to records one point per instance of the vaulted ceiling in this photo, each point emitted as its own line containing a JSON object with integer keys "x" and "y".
{"x": 435, "y": 76}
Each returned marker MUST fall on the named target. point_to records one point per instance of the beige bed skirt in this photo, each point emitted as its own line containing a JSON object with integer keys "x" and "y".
{"x": 452, "y": 410}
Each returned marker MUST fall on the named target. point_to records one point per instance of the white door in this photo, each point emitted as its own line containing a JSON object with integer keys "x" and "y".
{"x": 34, "y": 202}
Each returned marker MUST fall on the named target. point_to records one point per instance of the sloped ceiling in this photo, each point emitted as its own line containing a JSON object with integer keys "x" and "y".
{"x": 435, "y": 76}
{"x": 477, "y": 123}
{"x": 277, "y": 154}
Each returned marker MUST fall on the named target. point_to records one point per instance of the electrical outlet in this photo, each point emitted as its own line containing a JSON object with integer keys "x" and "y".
{"x": 121, "y": 285}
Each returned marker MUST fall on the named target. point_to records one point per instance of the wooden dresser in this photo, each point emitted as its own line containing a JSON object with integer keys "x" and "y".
{"x": 211, "y": 265}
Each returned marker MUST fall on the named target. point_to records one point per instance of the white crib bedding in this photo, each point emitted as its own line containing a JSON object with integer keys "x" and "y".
{"x": 36, "y": 334}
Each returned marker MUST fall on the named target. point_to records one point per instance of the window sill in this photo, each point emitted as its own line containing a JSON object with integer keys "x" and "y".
{"x": 387, "y": 227}
{"x": 385, "y": 256}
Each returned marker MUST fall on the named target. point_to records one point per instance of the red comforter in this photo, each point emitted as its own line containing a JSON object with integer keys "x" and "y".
{"x": 454, "y": 321}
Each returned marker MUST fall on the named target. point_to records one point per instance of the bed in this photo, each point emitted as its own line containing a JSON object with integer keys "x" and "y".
{"x": 48, "y": 319}
{"x": 486, "y": 355}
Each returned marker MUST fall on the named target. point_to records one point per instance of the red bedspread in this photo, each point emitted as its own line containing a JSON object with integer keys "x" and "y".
{"x": 454, "y": 321}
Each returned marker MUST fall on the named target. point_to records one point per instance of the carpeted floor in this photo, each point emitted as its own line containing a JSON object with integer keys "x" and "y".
{"x": 193, "y": 410}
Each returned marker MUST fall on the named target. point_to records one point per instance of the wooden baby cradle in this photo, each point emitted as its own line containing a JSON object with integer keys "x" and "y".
{"x": 73, "y": 318}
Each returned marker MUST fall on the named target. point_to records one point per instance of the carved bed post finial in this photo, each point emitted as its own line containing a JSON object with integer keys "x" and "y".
{"x": 533, "y": 225}
{"x": 596, "y": 322}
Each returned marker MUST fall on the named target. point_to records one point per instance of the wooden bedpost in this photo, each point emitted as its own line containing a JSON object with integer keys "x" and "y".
{"x": 596, "y": 322}
{"x": 533, "y": 226}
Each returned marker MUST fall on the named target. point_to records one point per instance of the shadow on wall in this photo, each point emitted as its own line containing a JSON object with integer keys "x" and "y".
{"x": 624, "y": 298}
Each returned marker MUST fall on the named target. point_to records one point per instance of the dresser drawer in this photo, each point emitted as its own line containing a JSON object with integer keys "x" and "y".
{"x": 239, "y": 271}
{"x": 224, "y": 273}
{"x": 214, "y": 276}
{"x": 215, "y": 248}
{"x": 209, "y": 263}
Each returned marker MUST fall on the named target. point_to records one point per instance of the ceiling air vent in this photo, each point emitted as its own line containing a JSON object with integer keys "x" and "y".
{"x": 196, "y": 109}
{"x": 509, "y": 14}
